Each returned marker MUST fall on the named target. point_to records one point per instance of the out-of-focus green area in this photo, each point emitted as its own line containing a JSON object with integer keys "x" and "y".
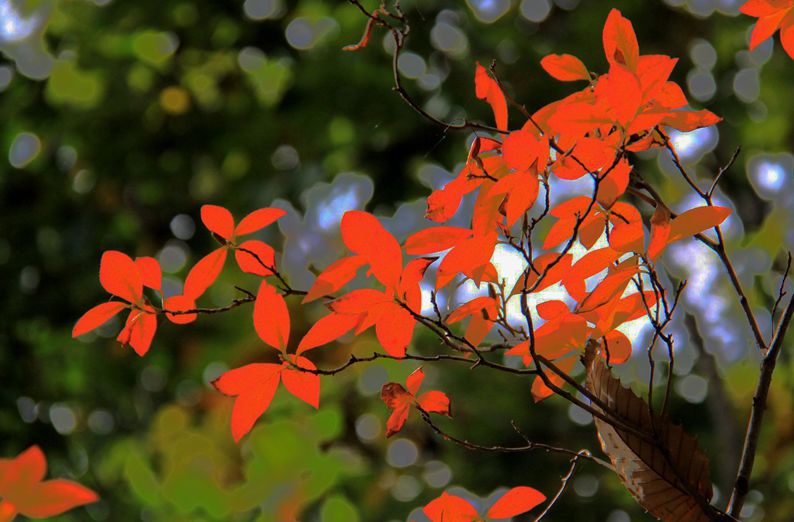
{"x": 120, "y": 119}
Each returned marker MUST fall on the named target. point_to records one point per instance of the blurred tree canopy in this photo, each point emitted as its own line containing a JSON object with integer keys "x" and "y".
{"x": 121, "y": 118}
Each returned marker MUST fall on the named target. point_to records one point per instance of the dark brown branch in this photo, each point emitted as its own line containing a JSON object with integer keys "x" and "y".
{"x": 742, "y": 484}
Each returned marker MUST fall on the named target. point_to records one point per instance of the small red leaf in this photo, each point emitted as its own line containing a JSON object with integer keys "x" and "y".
{"x": 204, "y": 273}
{"x": 255, "y": 257}
{"x": 257, "y": 220}
{"x": 487, "y": 89}
{"x": 254, "y": 385}
{"x": 303, "y": 385}
{"x": 565, "y": 67}
{"x": 151, "y": 274}
{"x": 515, "y": 502}
{"x": 218, "y": 220}
{"x": 96, "y": 317}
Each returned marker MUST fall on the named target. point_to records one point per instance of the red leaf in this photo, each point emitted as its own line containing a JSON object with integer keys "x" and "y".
{"x": 257, "y": 220}
{"x": 337, "y": 275}
{"x": 327, "y": 329}
{"x": 660, "y": 231}
{"x": 539, "y": 389}
{"x": 450, "y": 508}
{"x": 53, "y": 497}
{"x": 766, "y": 27}
{"x": 487, "y": 89}
{"x": 623, "y": 93}
{"x": 410, "y": 291}
{"x": 120, "y": 276}
{"x": 787, "y": 34}
{"x": 363, "y": 234}
{"x": 151, "y": 274}
{"x": 565, "y": 67}
{"x": 138, "y": 331}
{"x": 758, "y": 8}
{"x": 394, "y": 328}
{"x": 515, "y": 502}
{"x": 96, "y": 317}
{"x": 618, "y": 346}
{"x": 255, "y": 257}
{"x": 521, "y": 189}
{"x": 435, "y": 402}
{"x": 620, "y": 42}
{"x": 435, "y": 239}
{"x": 254, "y": 385}
{"x": 686, "y": 121}
{"x": 271, "y": 317}
{"x": 414, "y": 381}
{"x": 301, "y": 384}
{"x": 396, "y": 398}
{"x": 521, "y": 149}
{"x": 471, "y": 257}
{"x": 204, "y": 273}
{"x": 180, "y": 303}
{"x": 23, "y": 491}
{"x": 218, "y": 220}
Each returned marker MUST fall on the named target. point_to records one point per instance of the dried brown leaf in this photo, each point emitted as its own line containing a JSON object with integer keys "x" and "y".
{"x": 669, "y": 477}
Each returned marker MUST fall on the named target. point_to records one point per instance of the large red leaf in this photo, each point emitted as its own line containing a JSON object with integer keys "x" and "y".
{"x": 53, "y": 497}
{"x": 151, "y": 274}
{"x": 337, "y": 275}
{"x": 620, "y": 42}
{"x": 204, "y": 273}
{"x": 254, "y": 385}
{"x": 435, "y": 239}
{"x": 487, "y": 89}
{"x": 271, "y": 317}
{"x": 364, "y": 235}
{"x": 329, "y": 328}
{"x": 120, "y": 276}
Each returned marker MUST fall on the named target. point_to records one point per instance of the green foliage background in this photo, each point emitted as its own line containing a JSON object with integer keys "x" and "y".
{"x": 144, "y": 111}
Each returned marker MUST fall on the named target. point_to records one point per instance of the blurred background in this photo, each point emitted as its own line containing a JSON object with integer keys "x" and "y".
{"x": 120, "y": 119}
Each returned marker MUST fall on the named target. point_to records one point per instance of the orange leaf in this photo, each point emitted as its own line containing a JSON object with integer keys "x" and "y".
{"x": 487, "y": 89}
{"x": 620, "y": 42}
{"x": 254, "y": 385}
{"x": 120, "y": 276}
{"x": 696, "y": 220}
{"x": 515, "y": 502}
{"x": 257, "y": 220}
{"x": 53, "y": 497}
{"x": 96, "y": 317}
{"x": 565, "y": 67}
{"x": 204, "y": 273}
{"x": 539, "y": 389}
{"x": 435, "y": 239}
{"x": 686, "y": 121}
{"x": 271, "y": 317}
{"x": 218, "y": 220}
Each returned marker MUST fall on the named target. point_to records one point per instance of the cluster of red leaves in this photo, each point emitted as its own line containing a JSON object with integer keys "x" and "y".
{"x": 586, "y": 133}
{"x": 452, "y": 508}
{"x": 23, "y": 489}
{"x": 126, "y": 279}
{"x": 772, "y": 15}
